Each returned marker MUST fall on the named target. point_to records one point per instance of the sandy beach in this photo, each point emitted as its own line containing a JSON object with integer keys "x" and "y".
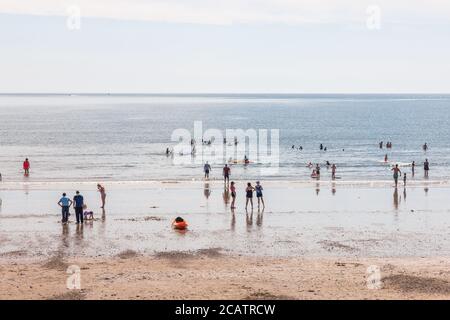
{"x": 312, "y": 241}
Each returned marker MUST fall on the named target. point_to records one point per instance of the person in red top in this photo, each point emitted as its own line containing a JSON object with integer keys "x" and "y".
{"x": 226, "y": 174}
{"x": 26, "y": 166}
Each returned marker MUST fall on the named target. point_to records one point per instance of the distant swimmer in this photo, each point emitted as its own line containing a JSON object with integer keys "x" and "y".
{"x": 167, "y": 152}
{"x": 381, "y": 145}
{"x": 26, "y": 167}
{"x": 325, "y": 149}
{"x": 321, "y": 147}
{"x": 333, "y": 171}
{"x": 293, "y": 146}
{"x": 246, "y": 161}
{"x": 102, "y": 191}
{"x": 397, "y": 171}
{"x": 413, "y": 168}
{"x": 386, "y": 158}
{"x": 300, "y": 148}
{"x": 206, "y": 169}
{"x": 309, "y": 165}
{"x": 426, "y": 167}
{"x": 328, "y": 163}
{"x": 425, "y": 147}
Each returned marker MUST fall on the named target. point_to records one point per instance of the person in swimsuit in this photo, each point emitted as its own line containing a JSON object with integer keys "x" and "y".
{"x": 101, "y": 189}
{"x": 26, "y": 167}
{"x": 426, "y": 167}
{"x": 413, "y": 168}
{"x": 226, "y": 174}
{"x": 206, "y": 169}
{"x": 318, "y": 170}
{"x": 233, "y": 194}
{"x": 259, "y": 194}
{"x": 397, "y": 171}
{"x": 425, "y": 147}
{"x": 404, "y": 179}
{"x": 333, "y": 171}
{"x": 249, "y": 195}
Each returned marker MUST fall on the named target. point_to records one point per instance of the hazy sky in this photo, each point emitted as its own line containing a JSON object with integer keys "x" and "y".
{"x": 296, "y": 46}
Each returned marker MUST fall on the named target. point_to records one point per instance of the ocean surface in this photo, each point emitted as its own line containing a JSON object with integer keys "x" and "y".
{"x": 124, "y": 137}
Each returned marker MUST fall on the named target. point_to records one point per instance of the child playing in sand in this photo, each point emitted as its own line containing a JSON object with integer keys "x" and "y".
{"x": 179, "y": 223}
{"x": 259, "y": 193}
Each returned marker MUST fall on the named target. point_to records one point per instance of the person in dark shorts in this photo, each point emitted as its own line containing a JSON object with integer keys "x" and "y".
{"x": 259, "y": 194}
{"x": 226, "y": 174}
{"x": 426, "y": 167}
{"x": 65, "y": 204}
{"x": 397, "y": 171}
{"x": 249, "y": 195}
{"x": 78, "y": 203}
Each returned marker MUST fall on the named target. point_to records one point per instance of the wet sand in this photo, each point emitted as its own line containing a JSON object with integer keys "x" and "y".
{"x": 313, "y": 241}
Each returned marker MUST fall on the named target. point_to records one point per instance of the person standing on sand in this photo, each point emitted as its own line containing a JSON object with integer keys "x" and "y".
{"x": 397, "y": 171}
{"x": 65, "y": 204}
{"x": 426, "y": 167}
{"x": 26, "y": 167}
{"x": 78, "y": 203}
{"x": 226, "y": 174}
{"x": 386, "y": 158}
{"x": 333, "y": 171}
{"x": 101, "y": 189}
{"x": 404, "y": 180}
{"x": 249, "y": 195}
{"x": 259, "y": 194}
{"x": 206, "y": 169}
{"x": 233, "y": 195}
{"x": 413, "y": 168}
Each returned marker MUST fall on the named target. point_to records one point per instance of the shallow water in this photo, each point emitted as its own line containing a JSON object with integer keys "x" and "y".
{"x": 315, "y": 220}
{"x": 123, "y": 137}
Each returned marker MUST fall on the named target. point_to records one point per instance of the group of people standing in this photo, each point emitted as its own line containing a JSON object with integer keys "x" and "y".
{"x": 79, "y": 206}
{"x": 231, "y": 187}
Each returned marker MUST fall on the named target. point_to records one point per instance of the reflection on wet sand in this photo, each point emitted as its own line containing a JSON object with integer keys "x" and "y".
{"x": 317, "y": 188}
{"x": 259, "y": 218}
{"x": 206, "y": 190}
{"x": 249, "y": 220}
{"x": 333, "y": 188}
{"x": 396, "y": 199}
{"x": 233, "y": 220}
{"x": 226, "y": 196}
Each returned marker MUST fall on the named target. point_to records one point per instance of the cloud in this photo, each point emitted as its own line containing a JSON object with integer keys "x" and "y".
{"x": 227, "y": 12}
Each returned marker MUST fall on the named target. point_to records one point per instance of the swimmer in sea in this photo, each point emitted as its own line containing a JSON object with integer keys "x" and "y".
{"x": 321, "y": 147}
{"x": 386, "y": 158}
{"x": 397, "y": 171}
{"x": 425, "y": 147}
{"x": 246, "y": 161}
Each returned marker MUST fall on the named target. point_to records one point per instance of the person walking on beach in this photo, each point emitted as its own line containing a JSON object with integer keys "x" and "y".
{"x": 226, "y": 174}
{"x": 78, "y": 203}
{"x": 233, "y": 195}
{"x": 102, "y": 191}
{"x": 249, "y": 195}
{"x": 333, "y": 171}
{"x": 413, "y": 168}
{"x": 426, "y": 167}
{"x": 259, "y": 194}
{"x": 397, "y": 171}
{"x": 404, "y": 180}
{"x": 26, "y": 167}
{"x": 65, "y": 204}
{"x": 206, "y": 169}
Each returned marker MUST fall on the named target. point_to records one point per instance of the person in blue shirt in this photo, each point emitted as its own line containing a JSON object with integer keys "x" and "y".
{"x": 78, "y": 203}
{"x": 65, "y": 204}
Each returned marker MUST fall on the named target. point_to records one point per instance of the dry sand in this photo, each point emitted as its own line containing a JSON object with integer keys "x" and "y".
{"x": 208, "y": 274}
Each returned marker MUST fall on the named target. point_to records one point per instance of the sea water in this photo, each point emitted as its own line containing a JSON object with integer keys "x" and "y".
{"x": 124, "y": 137}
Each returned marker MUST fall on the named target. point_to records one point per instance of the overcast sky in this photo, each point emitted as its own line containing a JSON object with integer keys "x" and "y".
{"x": 295, "y": 46}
